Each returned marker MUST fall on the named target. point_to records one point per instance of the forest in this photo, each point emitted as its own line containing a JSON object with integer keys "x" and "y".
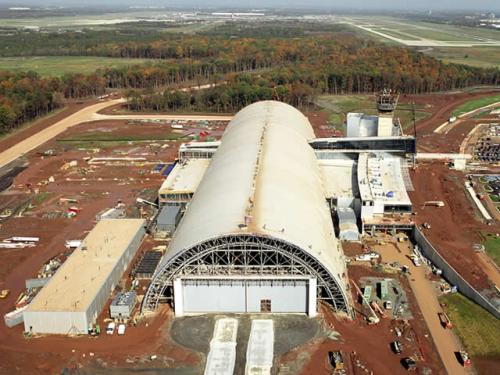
{"x": 293, "y": 69}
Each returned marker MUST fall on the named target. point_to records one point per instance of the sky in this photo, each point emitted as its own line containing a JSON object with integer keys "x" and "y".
{"x": 328, "y": 4}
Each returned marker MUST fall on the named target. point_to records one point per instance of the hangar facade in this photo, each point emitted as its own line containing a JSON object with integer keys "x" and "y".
{"x": 258, "y": 234}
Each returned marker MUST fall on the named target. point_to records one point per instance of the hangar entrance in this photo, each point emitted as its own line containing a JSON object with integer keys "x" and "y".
{"x": 244, "y": 295}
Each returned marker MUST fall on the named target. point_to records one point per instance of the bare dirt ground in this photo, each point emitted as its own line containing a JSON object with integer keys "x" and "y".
{"x": 441, "y": 106}
{"x": 456, "y": 234}
{"x": 366, "y": 348}
{"x": 95, "y": 187}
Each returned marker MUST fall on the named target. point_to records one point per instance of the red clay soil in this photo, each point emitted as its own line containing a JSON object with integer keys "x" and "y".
{"x": 320, "y": 125}
{"x": 441, "y": 106}
{"x": 370, "y": 344}
{"x": 96, "y": 188}
{"x": 45, "y": 122}
{"x": 454, "y": 227}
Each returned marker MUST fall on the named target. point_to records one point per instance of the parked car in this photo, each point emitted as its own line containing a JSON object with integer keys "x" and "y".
{"x": 121, "y": 329}
{"x": 111, "y": 328}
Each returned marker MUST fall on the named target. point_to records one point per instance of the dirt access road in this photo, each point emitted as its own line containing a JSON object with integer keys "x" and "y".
{"x": 445, "y": 340}
{"x": 86, "y": 114}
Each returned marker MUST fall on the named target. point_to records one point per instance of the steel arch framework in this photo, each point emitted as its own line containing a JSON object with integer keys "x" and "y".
{"x": 244, "y": 255}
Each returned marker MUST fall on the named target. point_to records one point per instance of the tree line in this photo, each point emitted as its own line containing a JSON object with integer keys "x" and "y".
{"x": 293, "y": 70}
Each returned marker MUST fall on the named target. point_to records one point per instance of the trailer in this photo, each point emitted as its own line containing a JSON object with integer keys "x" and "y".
{"x": 464, "y": 358}
{"x": 444, "y": 320}
{"x": 434, "y": 203}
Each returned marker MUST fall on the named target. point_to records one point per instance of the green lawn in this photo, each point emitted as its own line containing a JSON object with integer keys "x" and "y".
{"x": 478, "y": 329}
{"x": 475, "y": 104}
{"x": 492, "y": 246}
{"x": 60, "y": 65}
{"x": 482, "y": 57}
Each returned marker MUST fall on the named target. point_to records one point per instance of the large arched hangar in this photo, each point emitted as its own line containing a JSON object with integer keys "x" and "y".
{"x": 258, "y": 234}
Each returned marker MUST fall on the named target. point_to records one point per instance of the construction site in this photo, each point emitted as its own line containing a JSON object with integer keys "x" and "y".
{"x": 260, "y": 242}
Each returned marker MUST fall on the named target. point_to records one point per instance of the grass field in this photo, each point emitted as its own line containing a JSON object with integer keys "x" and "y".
{"x": 475, "y": 104}
{"x": 441, "y": 41}
{"x": 482, "y": 57}
{"x": 60, "y": 65}
{"x": 478, "y": 329}
{"x": 414, "y": 29}
{"x": 339, "y": 105}
{"x": 492, "y": 246}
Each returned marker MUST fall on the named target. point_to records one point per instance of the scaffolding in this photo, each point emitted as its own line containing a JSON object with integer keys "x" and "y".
{"x": 245, "y": 255}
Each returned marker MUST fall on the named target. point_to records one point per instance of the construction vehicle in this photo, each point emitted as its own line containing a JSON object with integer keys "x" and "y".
{"x": 4, "y": 293}
{"x": 377, "y": 308}
{"x": 409, "y": 363}
{"x": 373, "y": 318}
{"x": 445, "y": 321}
{"x": 336, "y": 361}
{"x": 397, "y": 347}
{"x": 416, "y": 260}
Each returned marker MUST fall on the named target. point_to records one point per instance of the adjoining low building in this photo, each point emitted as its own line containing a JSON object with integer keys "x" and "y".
{"x": 74, "y": 297}
{"x": 381, "y": 186}
{"x": 168, "y": 218}
{"x": 122, "y": 305}
{"x": 182, "y": 182}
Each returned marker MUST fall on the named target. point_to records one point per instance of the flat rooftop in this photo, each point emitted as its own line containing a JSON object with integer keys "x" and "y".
{"x": 380, "y": 179}
{"x": 185, "y": 177}
{"x": 77, "y": 282}
{"x": 338, "y": 175}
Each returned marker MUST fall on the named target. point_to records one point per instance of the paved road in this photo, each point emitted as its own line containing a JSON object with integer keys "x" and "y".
{"x": 89, "y": 113}
{"x": 445, "y": 340}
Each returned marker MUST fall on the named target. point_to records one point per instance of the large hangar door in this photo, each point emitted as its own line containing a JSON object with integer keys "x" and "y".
{"x": 277, "y": 296}
{"x": 203, "y": 296}
{"x": 194, "y": 296}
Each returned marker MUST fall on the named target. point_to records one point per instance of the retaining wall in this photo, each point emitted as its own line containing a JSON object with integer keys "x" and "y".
{"x": 451, "y": 275}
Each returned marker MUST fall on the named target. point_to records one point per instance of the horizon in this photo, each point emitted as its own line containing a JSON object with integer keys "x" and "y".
{"x": 293, "y": 5}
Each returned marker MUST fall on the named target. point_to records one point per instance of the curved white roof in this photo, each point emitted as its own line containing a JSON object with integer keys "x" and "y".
{"x": 266, "y": 175}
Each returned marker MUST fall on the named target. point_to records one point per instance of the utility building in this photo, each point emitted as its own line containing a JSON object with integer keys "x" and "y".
{"x": 74, "y": 297}
{"x": 258, "y": 234}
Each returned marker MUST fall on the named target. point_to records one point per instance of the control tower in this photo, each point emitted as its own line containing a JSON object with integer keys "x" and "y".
{"x": 387, "y": 100}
